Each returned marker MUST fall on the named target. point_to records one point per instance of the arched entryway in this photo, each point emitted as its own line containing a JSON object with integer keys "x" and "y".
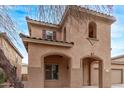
{"x": 89, "y": 66}
{"x": 56, "y": 71}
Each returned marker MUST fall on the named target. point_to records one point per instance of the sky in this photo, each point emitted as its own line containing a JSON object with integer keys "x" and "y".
{"x": 117, "y": 30}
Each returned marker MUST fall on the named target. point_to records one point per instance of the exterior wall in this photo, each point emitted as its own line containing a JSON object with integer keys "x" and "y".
{"x": 24, "y": 69}
{"x": 63, "y": 79}
{"x": 36, "y": 31}
{"x": 84, "y": 48}
{"x": 12, "y": 55}
{"x": 78, "y": 33}
{"x": 38, "y": 62}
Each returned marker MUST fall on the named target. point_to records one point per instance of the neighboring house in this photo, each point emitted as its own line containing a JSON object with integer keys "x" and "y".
{"x": 64, "y": 54}
{"x": 11, "y": 52}
{"x": 118, "y": 69}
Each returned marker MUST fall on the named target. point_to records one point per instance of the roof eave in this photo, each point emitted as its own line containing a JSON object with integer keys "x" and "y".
{"x": 41, "y": 23}
{"x": 53, "y": 43}
{"x": 111, "y": 19}
{"x": 9, "y": 41}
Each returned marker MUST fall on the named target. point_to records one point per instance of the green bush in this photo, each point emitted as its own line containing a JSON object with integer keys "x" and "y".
{"x": 2, "y": 78}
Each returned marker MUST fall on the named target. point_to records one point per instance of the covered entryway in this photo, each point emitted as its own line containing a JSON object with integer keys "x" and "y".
{"x": 56, "y": 71}
{"x": 88, "y": 74}
{"x": 117, "y": 76}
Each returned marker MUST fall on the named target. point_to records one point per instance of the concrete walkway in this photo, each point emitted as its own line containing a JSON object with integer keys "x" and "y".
{"x": 113, "y": 86}
{"x": 118, "y": 86}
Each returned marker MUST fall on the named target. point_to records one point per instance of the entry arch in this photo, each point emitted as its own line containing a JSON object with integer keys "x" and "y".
{"x": 86, "y": 66}
{"x": 63, "y": 63}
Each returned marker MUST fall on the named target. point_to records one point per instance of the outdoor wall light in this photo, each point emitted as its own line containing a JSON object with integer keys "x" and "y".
{"x": 107, "y": 70}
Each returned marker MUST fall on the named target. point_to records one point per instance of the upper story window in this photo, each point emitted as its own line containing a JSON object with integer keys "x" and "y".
{"x": 50, "y": 35}
{"x": 92, "y": 30}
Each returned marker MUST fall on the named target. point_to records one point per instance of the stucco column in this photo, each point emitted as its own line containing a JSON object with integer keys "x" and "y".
{"x": 75, "y": 75}
{"x": 36, "y": 75}
{"x": 105, "y": 75}
{"x": 101, "y": 71}
{"x": 123, "y": 76}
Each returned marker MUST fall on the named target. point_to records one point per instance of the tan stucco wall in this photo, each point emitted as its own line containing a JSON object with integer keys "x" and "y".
{"x": 36, "y": 31}
{"x": 12, "y": 55}
{"x": 24, "y": 69}
{"x": 63, "y": 79}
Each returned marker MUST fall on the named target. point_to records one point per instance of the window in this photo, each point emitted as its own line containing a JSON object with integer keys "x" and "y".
{"x": 24, "y": 77}
{"x": 51, "y": 72}
{"x": 50, "y": 35}
{"x": 92, "y": 30}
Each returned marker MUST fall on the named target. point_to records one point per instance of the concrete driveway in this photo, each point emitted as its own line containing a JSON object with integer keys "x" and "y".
{"x": 118, "y": 86}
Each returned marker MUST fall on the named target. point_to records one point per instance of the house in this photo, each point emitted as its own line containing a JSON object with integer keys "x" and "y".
{"x": 118, "y": 69}
{"x": 11, "y": 53}
{"x": 64, "y": 54}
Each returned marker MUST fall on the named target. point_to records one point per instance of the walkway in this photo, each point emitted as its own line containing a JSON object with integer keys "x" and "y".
{"x": 113, "y": 86}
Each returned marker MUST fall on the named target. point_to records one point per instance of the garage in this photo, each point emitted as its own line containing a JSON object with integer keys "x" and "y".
{"x": 116, "y": 75}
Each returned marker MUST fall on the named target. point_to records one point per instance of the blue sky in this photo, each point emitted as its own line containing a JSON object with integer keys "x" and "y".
{"x": 117, "y": 33}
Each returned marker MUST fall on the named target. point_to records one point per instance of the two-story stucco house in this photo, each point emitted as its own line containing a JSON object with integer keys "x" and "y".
{"x": 64, "y": 54}
{"x": 11, "y": 53}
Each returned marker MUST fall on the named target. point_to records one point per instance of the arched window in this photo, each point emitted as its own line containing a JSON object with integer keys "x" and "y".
{"x": 92, "y": 30}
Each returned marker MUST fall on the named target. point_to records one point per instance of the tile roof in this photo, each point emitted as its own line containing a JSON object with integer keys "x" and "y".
{"x": 45, "y": 23}
{"x": 22, "y": 35}
{"x": 75, "y": 6}
{"x": 117, "y": 57}
{"x": 91, "y": 10}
